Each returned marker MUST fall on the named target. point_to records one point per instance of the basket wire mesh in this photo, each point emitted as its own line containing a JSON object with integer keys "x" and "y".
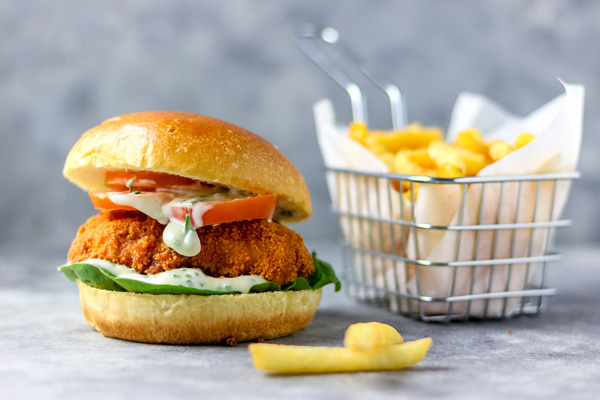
{"x": 374, "y": 270}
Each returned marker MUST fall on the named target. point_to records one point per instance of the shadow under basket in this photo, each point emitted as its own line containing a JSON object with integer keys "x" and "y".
{"x": 445, "y": 249}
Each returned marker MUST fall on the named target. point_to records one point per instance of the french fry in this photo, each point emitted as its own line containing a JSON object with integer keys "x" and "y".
{"x": 370, "y": 335}
{"x": 414, "y": 136}
{"x": 467, "y": 161}
{"x": 523, "y": 139}
{"x": 405, "y": 166}
{"x": 359, "y": 131}
{"x": 470, "y": 139}
{"x": 421, "y": 158}
{"x": 375, "y": 146}
{"x": 473, "y": 162}
{"x": 499, "y": 149}
{"x": 418, "y": 150}
{"x": 449, "y": 171}
{"x": 442, "y": 153}
{"x": 407, "y": 192}
{"x": 288, "y": 359}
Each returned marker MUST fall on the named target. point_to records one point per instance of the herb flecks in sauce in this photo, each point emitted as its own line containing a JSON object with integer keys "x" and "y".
{"x": 241, "y": 284}
{"x": 188, "y": 224}
{"x": 130, "y": 183}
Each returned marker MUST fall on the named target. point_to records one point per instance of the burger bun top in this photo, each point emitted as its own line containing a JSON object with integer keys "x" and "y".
{"x": 189, "y": 145}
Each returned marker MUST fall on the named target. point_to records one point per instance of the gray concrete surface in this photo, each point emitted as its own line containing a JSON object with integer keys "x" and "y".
{"x": 66, "y": 65}
{"x": 48, "y": 351}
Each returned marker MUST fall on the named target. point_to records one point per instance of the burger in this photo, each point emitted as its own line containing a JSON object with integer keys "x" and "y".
{"x": 190, "y": 244}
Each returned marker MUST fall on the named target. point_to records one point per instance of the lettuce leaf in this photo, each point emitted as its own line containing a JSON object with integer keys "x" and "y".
{"x": 100, "y": 278}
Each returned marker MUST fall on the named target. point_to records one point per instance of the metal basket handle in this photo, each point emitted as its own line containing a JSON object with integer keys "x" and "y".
{"x": 305, "y": 40}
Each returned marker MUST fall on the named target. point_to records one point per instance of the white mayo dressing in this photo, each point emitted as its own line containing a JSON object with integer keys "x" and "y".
{"x": 185, "y": 242}
{"x": 188, "y": 277}
{"x": 152, "y": 206}
{"x": 159, "y": 207}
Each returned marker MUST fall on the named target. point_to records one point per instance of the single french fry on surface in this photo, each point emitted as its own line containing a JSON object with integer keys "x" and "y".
{"x": 523, "y": 139}
{"x": 370, "y": 335}
{"x": 287, "y": 359}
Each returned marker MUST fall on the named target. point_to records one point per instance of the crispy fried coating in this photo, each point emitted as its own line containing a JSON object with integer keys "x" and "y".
{"x": 240, "y": 248}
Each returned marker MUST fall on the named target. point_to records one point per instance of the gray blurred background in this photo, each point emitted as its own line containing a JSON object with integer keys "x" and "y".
{"x": 67, "y": 65}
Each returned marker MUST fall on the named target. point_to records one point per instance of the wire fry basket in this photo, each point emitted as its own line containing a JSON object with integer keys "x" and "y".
{"x": 489, "y": 257}
{"x": 382, "y": 264}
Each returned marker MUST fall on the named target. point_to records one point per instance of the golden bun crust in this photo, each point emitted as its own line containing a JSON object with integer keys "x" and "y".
{"x": 189, "y": 145}
{"x": 194, "y": 319}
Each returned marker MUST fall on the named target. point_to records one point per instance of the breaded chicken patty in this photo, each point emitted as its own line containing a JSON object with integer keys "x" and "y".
{"x": 257, "y": 247}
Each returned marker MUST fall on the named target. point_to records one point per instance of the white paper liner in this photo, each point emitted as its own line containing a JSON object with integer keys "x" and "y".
{"x": 558, "y": 128}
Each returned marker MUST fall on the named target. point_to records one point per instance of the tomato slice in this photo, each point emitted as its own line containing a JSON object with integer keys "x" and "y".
{"x": 144, "y": 180}
{"x": 202, "y": 210}
{"x": 214, "y": 213}
{"x": 101, "y": 201}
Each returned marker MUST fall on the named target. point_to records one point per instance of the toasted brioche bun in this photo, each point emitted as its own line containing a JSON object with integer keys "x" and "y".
{"x": 194, "y": 319}
{"x": 192, "y": 146}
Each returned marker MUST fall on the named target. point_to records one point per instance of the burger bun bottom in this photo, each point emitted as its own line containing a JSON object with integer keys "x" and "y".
{"x": 196, "y": 319}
